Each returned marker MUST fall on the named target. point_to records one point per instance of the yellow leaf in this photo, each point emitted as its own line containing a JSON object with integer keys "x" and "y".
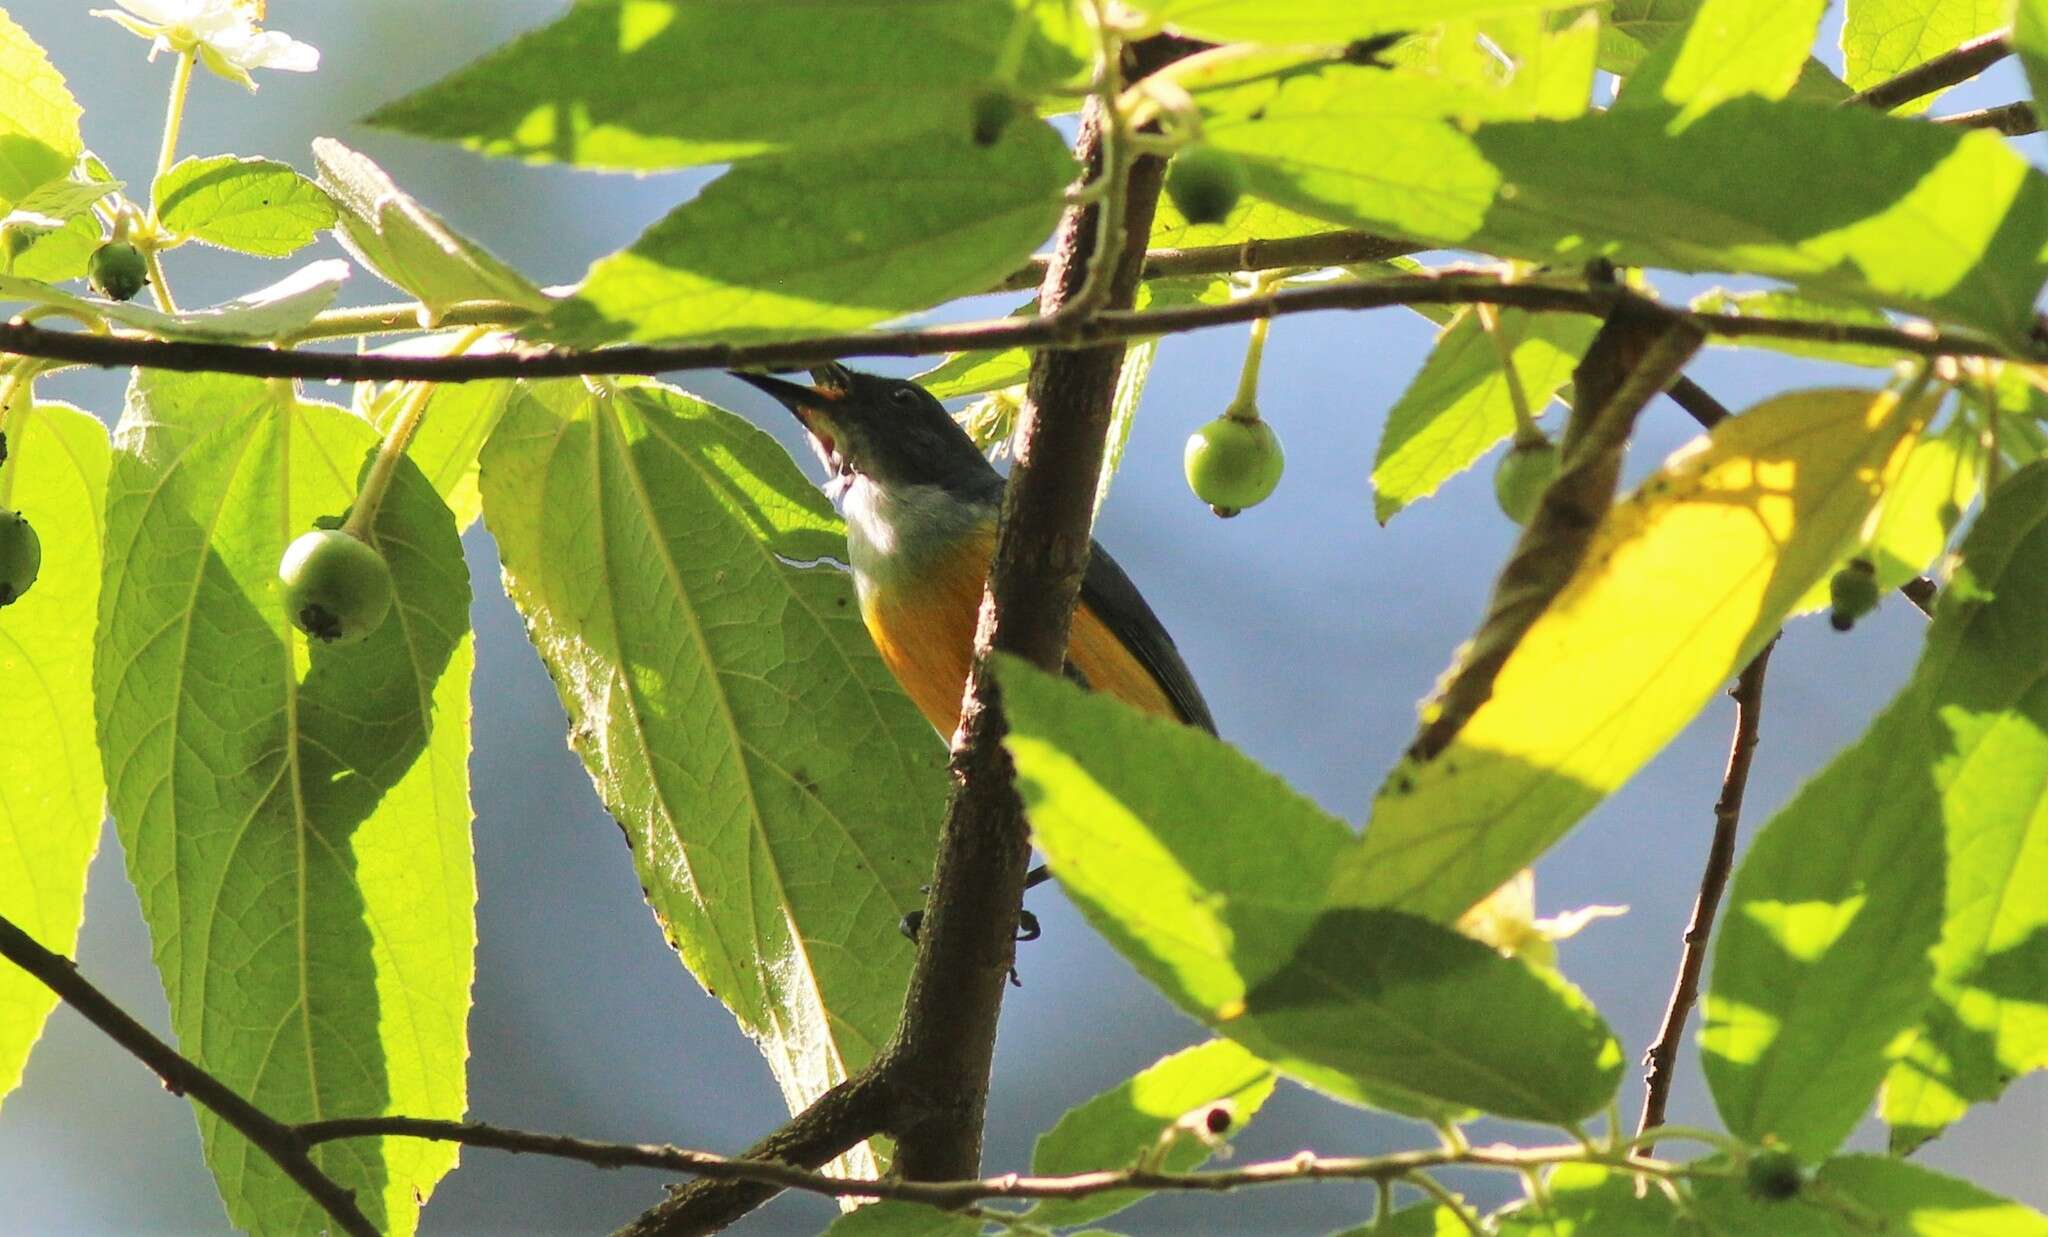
{"x": 1684, "y": 581}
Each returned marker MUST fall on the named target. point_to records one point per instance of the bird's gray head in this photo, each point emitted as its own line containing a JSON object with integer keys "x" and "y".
{"x": 889, "y": 431}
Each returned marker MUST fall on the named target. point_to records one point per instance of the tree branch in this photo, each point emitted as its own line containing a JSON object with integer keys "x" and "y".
{"x": 182, "y": 1076}
{"x": 931, "y": 1080}
{"x": 958, "y": 1193}
{"x": 1662, "y": 1059}
{"x": 1452, "y": 287}
{"x": 1315, "y": 250}
{"x": 2011, "y": 119}
{"x": 1959, "y": 64}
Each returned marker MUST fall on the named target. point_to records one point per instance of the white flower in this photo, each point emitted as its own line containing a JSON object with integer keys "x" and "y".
{"x": 222, "y": 33}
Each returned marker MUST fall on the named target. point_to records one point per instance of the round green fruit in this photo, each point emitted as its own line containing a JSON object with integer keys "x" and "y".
{"x": 1233, "y": 464}
{"x": 993, "y": 110}
{"x": 116, "y": 271}
{"x": 336, "y": 588}
{"x": 1204, "y": 183}
{"x": 1524, "y": 473}
{"x": 21, "y": 556}
{"x": 1852, "y": 593}
{"x": 1773, "y": 1176}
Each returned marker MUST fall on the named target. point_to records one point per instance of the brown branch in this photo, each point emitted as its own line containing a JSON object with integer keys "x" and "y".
{"x": 1959, "y": 64}
{"x": 1316, "y": 250}
{"x": 1443, "y": 288}
{"x": 2011, "y": 119}
{"x": 959, "y": 1193}
{"x": 933, "y": 1076}
{"x": 181, "y": 1076}
{"x": 1662, "y": 1059}
{"x": 945, "y": 1045}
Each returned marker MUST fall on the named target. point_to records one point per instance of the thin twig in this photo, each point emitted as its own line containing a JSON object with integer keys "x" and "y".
{"x": 2011, "y": 119}
{"x": 1662, "y": 1059}
{"x": 182, "y": 1076}
{"x": 1305, "y": 1167}
{"x": 1959, "y": 64}
{"x": 1457, "y": 287}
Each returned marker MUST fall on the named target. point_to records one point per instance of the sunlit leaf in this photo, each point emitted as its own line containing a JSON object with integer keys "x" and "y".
{"x": 1829, "y": 950}
{"x": 1835, "y": 199}
{"x": 779, "y": 792}
{"x": 295, "y": 822}
{"x": 1856, "y": 1195}
{"x": 1729, "y": 48}
{"x": 1210, "y": 876}
{"x": 1321, "y": 21}
{"x": 1916, "y": 515}
{"x": 645, "y": 84}
{"x": 1165, "y": 1105}
{"x": 1458, "y": 406}
{"x": 276, "y": 312}
{"x": 409, "y": 245}
{"x": 55, "y": 475}
{"x": 1683, "y": 583}
{"x": 797, "y": 246}
{"x": 1883, "y": 38}
{"x": 1591, "y": 1200}
{"x": 38, "y": 117}
{"x": 251, "y": 205}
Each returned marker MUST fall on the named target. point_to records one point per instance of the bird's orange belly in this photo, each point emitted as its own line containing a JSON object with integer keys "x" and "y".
{"x": 924, "y": 629}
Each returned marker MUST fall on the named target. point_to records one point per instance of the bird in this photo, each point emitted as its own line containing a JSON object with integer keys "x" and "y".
{"x": 921, "y": 503}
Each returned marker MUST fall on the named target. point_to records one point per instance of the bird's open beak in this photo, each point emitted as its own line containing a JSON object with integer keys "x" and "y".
{"x": 812, "y": 408}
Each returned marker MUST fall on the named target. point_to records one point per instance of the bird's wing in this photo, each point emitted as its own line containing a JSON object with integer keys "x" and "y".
{"x": 1109, "y": 593}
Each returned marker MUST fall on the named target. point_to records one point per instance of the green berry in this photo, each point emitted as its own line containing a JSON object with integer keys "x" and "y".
{"x": 1205, "y": 183}
{"x": 1773, "y": 1176}
{"x": 21, "y": 556}
{"x": 1524, "y": 473}
{"x": 116, "y": 271}
{"x": 336, "y": 589}
{"x": 1852, "y": 593}
{"x": 1233, "y": 464}
{"x": 993, "y": 111}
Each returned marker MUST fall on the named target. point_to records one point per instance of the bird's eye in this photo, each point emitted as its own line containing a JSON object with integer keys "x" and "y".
{"x": 904, "y": 397}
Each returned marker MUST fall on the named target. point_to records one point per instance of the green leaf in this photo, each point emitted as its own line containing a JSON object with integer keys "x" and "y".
{"x": 779, "y": 792}
{"x": 1250, "y": 219}
{"x": 408, "y": 245}
{"x": 56, "y": 254}
{"x": 985, "y": 369}
{"x": 782, "y": 247}
{"x": 1908, "y": 534}
{"x": 1729, "y": 48}
{"x": 895, "y": 1219}
{"x": 66, "y": 199}
{"x": 1883, "y": 38}
{"x": 249, "y": 205}
{"x": 55, "y": 475}
{"x": 1990, "y": 1018}
{"x": 637, "y": 85}
{"x": 1834, "y": 199}
{"x": 1829, "y": 949}
{"x": 1856, "y": 1195}
{"x": 458, "y": 420}
{"x": 277, "y": 312}
{"x": 38, "y": 117}
{"x": 1322, "y": 21}
{"x": 1633, "y": 27}
{"x": 1591, "y": 1200}
{"x": 1131, "y": 1120}
{"x": 1458, "y": 406}
{"x": 1424, "y": 1219}
{"x": 1527, "y": 68}
{"x": 1757, "y": 512}
{"x": 296, "y": 824}
{"x": 1210, "y": 876}
{"x": 2030, "y": 39}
